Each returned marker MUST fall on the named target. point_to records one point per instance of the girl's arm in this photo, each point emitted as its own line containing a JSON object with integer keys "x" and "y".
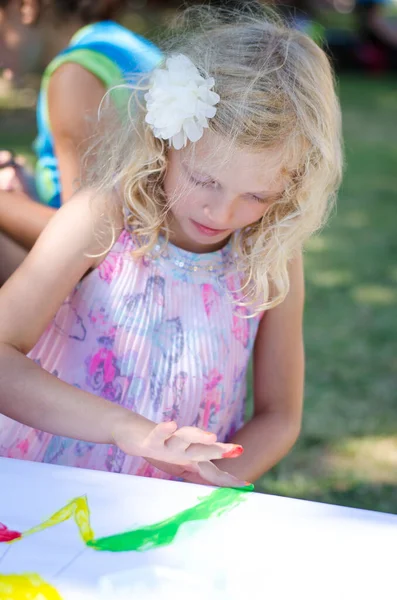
{"x": 28, "y": 302}
{"x": 278, "y": 385}
{"x": 74, "y": 96}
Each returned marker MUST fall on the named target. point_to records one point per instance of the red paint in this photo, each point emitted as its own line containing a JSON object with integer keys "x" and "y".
{"x": 234, "y": 452}
{"x": 7, "y": 535}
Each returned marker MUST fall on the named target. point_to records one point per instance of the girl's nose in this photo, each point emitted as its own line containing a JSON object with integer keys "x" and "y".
{"x": 219, "y": 213}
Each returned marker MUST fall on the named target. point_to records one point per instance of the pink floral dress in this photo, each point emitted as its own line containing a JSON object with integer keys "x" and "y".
{"x": 159, "y": 335}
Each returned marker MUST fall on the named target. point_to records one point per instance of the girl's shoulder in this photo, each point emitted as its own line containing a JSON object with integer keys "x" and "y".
{"x": 86, "y": 226}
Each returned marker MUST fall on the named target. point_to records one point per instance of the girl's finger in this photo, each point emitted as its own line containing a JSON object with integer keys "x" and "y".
{"x": 199, "y": 452}
{"x": 211, "y": 473}
{"x": 193, "y": 477}
{"x": 194, "y": 435}
{"x": 175, "y": 448}
{"x": 160, "y": 434}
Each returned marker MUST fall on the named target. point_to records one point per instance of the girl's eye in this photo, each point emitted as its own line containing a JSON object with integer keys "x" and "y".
{"x": 260, "y": 200}
{"x": 206, "y": 183}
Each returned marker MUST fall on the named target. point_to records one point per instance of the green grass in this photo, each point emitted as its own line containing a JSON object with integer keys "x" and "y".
{"x": 347, "y": 453}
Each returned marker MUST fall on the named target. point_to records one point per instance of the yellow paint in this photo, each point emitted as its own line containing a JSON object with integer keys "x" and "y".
{"x": 28, "y": 586}
{"x": 76, "y": 509}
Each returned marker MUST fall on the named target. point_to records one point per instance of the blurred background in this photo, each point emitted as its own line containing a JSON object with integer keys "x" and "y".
{"x": 347, "y": 452}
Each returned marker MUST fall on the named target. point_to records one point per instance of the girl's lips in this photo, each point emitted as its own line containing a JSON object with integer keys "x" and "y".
{"x": 207, "y": 230}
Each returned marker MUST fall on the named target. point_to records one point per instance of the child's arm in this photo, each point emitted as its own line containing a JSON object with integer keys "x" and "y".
{"x": 28, "y": 302}
{"x": 73, "y": 118}
{"x": 29, "y": 394}
{"x": 278, "y": 386}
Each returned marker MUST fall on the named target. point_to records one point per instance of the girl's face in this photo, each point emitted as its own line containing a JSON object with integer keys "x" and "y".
{"x": 211, "y": 198}
{"x": 20, "y": 42}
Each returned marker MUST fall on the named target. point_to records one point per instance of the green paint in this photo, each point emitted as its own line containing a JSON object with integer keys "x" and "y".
{"x": 163, "y": 533}
{"x": 247, "y": 488}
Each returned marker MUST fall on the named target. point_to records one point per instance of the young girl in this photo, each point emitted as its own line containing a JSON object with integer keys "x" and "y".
{"x": 84, "y": 53}
{"x": 144, "y": 298}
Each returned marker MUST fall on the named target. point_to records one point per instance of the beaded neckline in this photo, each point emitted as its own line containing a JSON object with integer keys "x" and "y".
{"x": 210, "y": 262}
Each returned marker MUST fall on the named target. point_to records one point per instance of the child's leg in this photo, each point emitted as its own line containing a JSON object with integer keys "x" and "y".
{"x": 11, "y": 256}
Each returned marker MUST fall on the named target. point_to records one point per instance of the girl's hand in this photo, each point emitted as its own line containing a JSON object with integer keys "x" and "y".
{"x": 203, "y": 473}
{"x": 186, "y": 451}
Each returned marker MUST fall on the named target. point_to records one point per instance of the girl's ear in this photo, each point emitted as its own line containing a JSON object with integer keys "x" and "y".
{"x": 30, "y": 10}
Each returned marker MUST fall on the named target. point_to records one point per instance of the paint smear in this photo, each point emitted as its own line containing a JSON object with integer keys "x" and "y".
{"x": 8, "y": 535}
{"x": 145, "y": 538}
{"x": 28, "y": 586}
{"x": 78, "y": 510}
{"x": 163, "y": 533}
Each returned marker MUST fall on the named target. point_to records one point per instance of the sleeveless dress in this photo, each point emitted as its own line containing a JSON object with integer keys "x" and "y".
{"x": 159, "y": 335}
{"x": 110, "y": 52}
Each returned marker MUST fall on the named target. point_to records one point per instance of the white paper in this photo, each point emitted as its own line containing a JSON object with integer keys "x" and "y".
{"x": 267, "y": 547}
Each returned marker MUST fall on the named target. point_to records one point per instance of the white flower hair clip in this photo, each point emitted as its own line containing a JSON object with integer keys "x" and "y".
{"x": 180, "y": 101}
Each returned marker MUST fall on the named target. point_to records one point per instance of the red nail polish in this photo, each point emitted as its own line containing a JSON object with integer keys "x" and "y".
{"x": 249, "y": 486}
{"x": 234, "y": 452}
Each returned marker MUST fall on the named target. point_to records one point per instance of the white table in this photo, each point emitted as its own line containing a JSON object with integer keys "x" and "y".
{"x": 266, "y": 548}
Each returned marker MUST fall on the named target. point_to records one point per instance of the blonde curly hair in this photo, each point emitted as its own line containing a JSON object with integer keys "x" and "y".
{"x": 276, "y": 89}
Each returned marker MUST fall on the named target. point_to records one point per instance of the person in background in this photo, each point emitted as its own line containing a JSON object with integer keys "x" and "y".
{"x": 85, "y": 52}
{"x": 378, "y": 36}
